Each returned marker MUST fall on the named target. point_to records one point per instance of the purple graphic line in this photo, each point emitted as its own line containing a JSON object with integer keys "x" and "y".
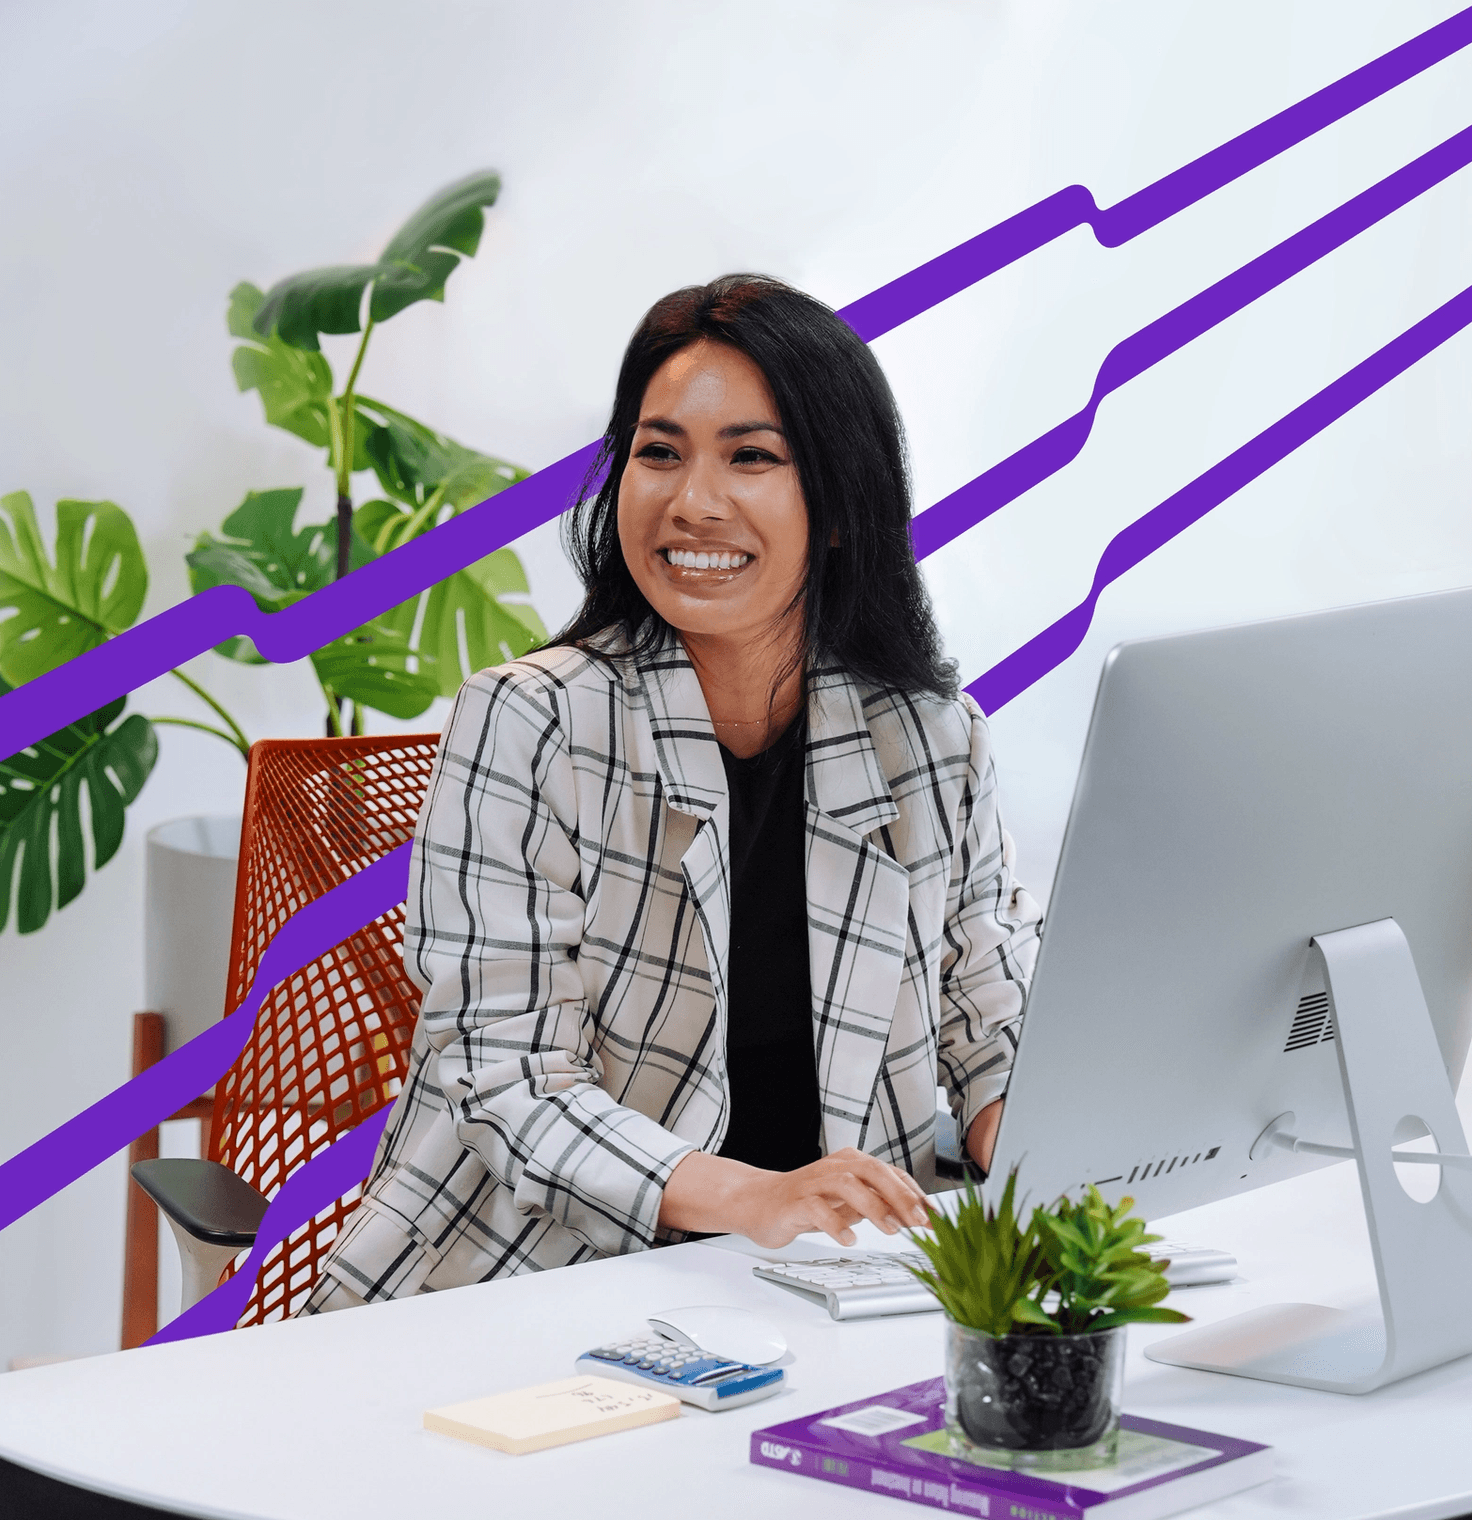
{"x": 1044, "y": 653}
{"x": 98, "y": 1132}
{"x": 309, "y": 1190}
{"x": 990, "y": 491}
{"x": 51, "y": 701}
{"x": 123, "y": 664}
{"x": 952, "y": 272}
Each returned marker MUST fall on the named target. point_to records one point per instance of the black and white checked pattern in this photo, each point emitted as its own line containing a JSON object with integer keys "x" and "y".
{"x": 568, "y": 920}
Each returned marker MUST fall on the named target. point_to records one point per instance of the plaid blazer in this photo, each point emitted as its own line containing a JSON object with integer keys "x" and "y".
{"x": 568, "y": 920}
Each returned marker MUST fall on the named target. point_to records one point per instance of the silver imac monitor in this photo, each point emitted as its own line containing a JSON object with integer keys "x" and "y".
{"x": 1258, "y": 953}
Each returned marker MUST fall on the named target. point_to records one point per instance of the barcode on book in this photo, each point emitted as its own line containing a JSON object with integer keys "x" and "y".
{"x": 875, "y": 1420}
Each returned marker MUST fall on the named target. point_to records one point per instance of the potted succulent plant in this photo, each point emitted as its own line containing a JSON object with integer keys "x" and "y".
{"x": 1036, "y": 1311}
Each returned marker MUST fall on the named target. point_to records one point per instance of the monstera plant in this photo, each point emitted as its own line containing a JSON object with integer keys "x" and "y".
{"x": 53, "y": 608}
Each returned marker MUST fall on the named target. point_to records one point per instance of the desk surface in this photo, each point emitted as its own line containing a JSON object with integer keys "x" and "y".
{"x": 322, "y": 1417}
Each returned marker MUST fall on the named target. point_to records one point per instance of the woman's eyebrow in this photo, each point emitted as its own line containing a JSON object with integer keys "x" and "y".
{"x": 735, "y": 430}
{"x": 738, "y": 428}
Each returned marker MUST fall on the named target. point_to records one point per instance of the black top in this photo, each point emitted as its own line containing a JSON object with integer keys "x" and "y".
{"x": 775, "y": 1116}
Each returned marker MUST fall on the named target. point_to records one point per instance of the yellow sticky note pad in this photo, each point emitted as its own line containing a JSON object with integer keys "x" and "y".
{"x": 552, "y": 1414}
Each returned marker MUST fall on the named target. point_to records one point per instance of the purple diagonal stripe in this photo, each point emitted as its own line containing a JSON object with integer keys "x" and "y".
{"x": 1046, "y": 455}
{"x": 98, "y": 1132}
{"x": 1045, "y": 652}
{"x": 84, "y": 684}
{"x": 123, "y": 664}
{"x": 309, "y": 1190}
{"x": 951, "y": 272}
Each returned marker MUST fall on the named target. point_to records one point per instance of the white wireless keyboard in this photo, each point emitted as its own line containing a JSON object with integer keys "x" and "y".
{"x": 864, "y": 1285}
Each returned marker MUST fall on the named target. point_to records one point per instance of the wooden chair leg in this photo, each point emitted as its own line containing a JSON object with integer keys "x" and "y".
{"x": 140, "y": 1249}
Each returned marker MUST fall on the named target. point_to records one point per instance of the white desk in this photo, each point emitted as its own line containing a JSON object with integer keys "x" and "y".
{"x": 321, "y": 1418}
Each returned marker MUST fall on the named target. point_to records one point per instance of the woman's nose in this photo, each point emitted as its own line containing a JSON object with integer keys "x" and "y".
{"x": 700, "y": 497}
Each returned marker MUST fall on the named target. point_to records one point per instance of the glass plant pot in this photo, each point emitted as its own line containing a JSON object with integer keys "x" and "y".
{"x": 1040, "y": 1402}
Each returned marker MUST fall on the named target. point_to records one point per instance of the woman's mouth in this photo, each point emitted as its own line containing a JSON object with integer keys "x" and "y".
{"x": 690, "y": 559}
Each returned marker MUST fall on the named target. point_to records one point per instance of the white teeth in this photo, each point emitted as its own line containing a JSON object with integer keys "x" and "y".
{"x": 687, "y": 559}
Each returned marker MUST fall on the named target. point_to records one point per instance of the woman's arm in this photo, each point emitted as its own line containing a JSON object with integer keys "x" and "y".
{"x": 713, "y": 1193}
{"x": 495, "y": 927}
{"x": 991, "y": 935}
{"x": 981, "y": 1138}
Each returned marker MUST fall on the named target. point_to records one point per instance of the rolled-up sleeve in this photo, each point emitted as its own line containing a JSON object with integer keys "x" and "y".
{"x": 495, "y": 922}
{"x": 991, "y": 942}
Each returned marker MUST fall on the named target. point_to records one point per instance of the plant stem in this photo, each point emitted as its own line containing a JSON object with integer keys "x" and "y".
{"x": 236, "y": 736}
{"x": 334, "y": 713}
{"x": 347, "y": 447}
{"x": 205, "y": 728}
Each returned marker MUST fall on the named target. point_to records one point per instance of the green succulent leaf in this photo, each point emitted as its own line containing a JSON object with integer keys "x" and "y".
{"x": 1075, "y": 1268}
{"x": 43, "y": 847}
{"x": 419, "y": 258}
{"x": 375, "y": 666}
{"x": 262, "y": 550}
{"x": 50, "y": 613}
{"x": 986, "y": 1267}
{"x": 1100, "y": 1271}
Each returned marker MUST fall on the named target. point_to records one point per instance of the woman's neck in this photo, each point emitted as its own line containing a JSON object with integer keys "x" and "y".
{"x": 738, "y": 680}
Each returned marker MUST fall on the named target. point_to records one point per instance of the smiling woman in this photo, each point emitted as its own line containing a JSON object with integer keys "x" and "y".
{"x": 709, "y": 893}
{"x": 713, "y": 529}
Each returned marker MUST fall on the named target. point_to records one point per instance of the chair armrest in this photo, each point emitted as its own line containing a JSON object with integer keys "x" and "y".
{"x": 204, "y": 1199}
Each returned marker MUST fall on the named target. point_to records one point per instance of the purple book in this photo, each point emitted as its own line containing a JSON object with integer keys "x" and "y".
{"x": 895, "y": 1443}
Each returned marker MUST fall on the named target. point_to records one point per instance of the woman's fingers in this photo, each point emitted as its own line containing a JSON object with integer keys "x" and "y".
{"x": 903, "y": 1195}
{"x": 868, "y": 1202}
{"x": 831, "y": 1221}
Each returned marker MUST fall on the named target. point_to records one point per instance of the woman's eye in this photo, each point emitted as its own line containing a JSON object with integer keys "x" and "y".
{"x": 753, "y": 455}
{"x": 659, "y": 453}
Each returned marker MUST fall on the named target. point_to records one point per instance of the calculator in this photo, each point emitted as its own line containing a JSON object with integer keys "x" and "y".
{"x": 697, "y": 1377}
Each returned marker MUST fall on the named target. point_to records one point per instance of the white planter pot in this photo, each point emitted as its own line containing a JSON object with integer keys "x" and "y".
{"x": 188, "y": 905}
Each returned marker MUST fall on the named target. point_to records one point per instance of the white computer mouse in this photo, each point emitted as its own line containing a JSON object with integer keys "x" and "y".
{"x": 723, "y": 1330}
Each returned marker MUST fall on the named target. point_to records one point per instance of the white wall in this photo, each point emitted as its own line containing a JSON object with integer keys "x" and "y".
{"x": 159, "y": 152}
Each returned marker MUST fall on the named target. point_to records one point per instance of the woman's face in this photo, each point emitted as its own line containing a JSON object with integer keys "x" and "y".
{"x": 710, "y": 513}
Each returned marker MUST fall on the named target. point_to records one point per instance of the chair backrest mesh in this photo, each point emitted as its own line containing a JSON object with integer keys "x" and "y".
{"x": 331, "y": 1043}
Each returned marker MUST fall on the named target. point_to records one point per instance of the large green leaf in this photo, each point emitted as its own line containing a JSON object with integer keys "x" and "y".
{"x": 375, "y": 666}
{"x": 43, "y": 850}
{"x": 465, "y": 622}
{"x": 422, "y": 468}
{"x": 295, "y": 386}
{"x": 261, "y": 549}
{"x": 49, "y": 613}
{"x": 419, "y": 258}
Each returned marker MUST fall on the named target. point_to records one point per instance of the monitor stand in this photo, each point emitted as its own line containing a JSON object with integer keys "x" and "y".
{"x": 1393, "y": 1077}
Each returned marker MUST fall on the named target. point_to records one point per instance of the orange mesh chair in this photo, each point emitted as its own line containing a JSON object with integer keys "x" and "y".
{"x": 330, "y": 1044}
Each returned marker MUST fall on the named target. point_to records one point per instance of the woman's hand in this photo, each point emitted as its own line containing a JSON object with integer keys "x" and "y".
{"x": 772, "y": 1208}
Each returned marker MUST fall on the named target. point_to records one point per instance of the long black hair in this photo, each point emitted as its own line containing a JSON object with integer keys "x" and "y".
{"x": 865, "y": 608}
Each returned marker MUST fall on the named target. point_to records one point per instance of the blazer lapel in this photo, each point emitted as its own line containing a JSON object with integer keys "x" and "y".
{"x": 858, "y": 906}
{"x": 694, "y": 782}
